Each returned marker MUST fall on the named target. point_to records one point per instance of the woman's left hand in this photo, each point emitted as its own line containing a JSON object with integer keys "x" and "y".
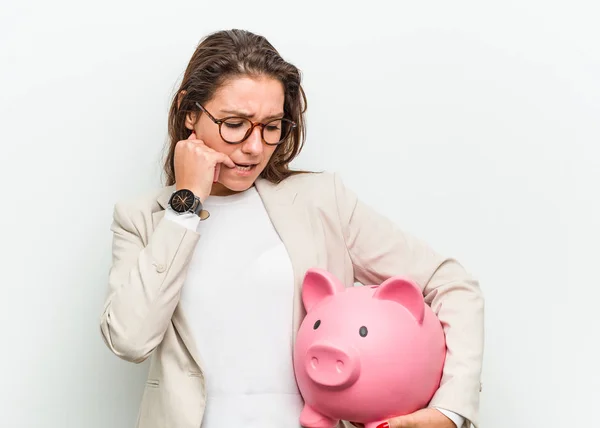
{"x": 425, "y": 418}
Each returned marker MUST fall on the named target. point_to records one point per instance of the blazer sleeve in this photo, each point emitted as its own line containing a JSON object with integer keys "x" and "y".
{"x": 379, "y": 249}
{"x": 144, "y": 284}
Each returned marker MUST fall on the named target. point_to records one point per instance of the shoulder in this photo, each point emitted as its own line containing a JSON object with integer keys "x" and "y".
{"x": 311, "y": 181}
{"x": 320, "y": 188}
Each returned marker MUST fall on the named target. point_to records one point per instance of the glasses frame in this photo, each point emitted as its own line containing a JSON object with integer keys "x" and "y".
{"x": 253, "y": 125}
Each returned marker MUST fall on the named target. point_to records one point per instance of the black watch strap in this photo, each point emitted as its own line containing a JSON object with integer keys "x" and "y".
{"x": 198, "y": 209}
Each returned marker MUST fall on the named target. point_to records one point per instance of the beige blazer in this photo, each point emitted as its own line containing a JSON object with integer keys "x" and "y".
{"x": 322, "y": 224}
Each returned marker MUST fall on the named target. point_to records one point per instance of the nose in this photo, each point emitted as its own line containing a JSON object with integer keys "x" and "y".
{"x": 331, "y": 366}
{"x": 253, "y": 144}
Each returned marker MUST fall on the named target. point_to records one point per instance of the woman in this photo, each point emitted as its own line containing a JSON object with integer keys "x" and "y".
{"x": 206, "y": 271}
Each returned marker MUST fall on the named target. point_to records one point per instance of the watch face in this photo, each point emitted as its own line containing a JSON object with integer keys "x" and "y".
{"x": 182, "y": 200}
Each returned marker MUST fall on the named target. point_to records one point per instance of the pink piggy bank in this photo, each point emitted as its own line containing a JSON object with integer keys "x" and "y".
{"x": 365, "y": 354}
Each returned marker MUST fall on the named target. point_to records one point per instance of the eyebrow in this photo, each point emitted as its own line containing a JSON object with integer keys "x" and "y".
{"x": 250, "y": 116}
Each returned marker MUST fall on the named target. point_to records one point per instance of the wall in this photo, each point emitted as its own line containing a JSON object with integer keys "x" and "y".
{"x": 474, "y": 125}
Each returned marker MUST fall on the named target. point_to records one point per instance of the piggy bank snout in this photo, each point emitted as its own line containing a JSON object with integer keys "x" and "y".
{"x": 332, "y": 366}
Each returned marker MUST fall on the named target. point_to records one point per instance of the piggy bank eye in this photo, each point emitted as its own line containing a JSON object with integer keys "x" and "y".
{"x": 363, "y": 331}
{"x": 317, "y": 324}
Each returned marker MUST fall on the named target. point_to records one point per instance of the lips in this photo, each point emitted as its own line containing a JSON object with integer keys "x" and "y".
{"x": 244, "y": 167}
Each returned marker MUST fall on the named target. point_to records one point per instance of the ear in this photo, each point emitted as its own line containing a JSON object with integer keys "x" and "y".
{"x": 405, "y": 292}
{"x": 190, "y": 117}
{"x": 190, "y": 120}
{"x": 318, "y": 284}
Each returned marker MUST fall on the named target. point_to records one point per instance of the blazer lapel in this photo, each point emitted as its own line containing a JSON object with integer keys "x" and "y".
{"x": 292, "y": 221}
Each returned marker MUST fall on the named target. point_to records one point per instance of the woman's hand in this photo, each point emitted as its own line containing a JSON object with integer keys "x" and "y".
{"x": 197, "y": 166}
{"x": 425, "y": 418}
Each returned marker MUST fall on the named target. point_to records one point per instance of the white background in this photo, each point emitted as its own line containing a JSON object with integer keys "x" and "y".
{"x": 473, "y": 125}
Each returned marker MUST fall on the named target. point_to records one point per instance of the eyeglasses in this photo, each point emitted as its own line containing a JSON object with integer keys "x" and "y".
{"x": 235, "y": 129}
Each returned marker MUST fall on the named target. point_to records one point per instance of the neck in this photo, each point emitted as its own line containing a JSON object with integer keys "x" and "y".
{"x": 219, "y": 189}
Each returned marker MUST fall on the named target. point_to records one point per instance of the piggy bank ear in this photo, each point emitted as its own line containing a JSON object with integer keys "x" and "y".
{"x": 318, "y": 284}
{"x": 405, "y": 292}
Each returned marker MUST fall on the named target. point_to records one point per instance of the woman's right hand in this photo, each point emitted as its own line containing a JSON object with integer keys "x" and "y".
{"x": 197, "y": 166}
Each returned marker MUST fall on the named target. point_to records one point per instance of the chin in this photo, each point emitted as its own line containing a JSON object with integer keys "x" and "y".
{"x": 238, "y": 184}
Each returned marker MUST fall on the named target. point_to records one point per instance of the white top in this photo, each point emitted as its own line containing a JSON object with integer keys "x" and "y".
{"x": 238, "y": 299}
{"x": 238, "y": 295}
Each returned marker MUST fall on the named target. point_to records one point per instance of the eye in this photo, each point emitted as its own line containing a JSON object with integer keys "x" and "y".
{"x": 363, "y": 331}
{"x": 317, "y": 324}
{"x": 233, "y": 125}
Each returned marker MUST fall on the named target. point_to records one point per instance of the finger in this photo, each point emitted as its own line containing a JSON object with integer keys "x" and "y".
{"x": 223, "y": 158}
{"x": 400, "y": 422}
{"x": 396, "y": 423}
{"x": 217, "y": 172}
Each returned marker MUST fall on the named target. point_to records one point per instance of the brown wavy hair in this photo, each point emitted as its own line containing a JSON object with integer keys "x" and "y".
{"x": 219, "y": 57}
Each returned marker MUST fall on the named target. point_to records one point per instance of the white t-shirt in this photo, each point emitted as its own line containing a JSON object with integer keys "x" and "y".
{"x": 238, "y": 300}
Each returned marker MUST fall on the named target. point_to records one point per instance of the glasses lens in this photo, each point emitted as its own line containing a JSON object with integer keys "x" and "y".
{"x": 234, "y": 129}
{"x": 277, "y": 130}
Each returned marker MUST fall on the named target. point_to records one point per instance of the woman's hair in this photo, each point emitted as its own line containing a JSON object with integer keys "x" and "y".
{"x": 219, "y": 57}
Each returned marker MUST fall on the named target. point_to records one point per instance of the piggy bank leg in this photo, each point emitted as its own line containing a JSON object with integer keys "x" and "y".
{"x": 310, "y": 418}
{"x": 380, "y": 424}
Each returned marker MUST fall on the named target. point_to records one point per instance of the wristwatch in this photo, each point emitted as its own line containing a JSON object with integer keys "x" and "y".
{"x": 184, "y": 201}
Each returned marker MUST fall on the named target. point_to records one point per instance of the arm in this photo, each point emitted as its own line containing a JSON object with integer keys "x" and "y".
{"x": 144, "y": 284}
{"x": 379, "y": 250}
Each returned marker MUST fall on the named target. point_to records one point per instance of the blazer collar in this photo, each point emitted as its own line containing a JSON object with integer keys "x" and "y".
{"x": 295, "y": 225}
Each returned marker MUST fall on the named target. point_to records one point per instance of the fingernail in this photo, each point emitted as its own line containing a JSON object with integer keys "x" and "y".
{"x": 383, "y": 425}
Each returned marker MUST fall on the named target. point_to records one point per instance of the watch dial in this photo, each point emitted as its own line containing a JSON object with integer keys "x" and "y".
{"x": 182, "y": 200}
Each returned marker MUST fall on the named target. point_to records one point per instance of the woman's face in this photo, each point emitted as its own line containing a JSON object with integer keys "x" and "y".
{"x": 258, "y": 99}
